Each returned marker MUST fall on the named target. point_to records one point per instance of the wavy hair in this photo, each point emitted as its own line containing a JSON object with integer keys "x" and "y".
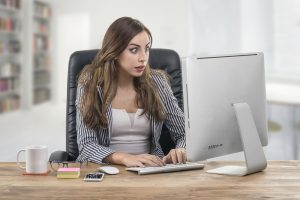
{"x": 102, "y": 73}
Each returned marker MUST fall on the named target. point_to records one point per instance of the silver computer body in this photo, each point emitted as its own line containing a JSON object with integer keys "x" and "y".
{"x": 225, "y": 108}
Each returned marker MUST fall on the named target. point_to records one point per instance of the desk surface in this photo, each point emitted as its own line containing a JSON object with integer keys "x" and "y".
{"x": 281, "y": 180}
{"x": 283, "y": 93}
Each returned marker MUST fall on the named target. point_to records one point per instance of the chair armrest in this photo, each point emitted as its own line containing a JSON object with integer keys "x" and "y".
{"x": 58, "y": 156}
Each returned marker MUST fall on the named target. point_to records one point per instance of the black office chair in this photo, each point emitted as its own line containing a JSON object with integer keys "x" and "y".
{"x": 164, "y": 59}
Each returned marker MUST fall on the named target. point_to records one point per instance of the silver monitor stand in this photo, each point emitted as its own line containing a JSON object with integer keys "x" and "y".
{"x": 253, "y": 151}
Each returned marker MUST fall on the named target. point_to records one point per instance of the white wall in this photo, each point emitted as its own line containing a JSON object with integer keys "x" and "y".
{"x": 215, "y": 27}
{"x": 257, "y": 30}
{"x": 167, "y": 20}
{"x": 286, "y": 37}
{"x": 43, "y": 124}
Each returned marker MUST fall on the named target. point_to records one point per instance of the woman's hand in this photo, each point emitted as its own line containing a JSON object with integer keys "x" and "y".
{"x": 175, "y": 156}
{"x": 130, "y": 160}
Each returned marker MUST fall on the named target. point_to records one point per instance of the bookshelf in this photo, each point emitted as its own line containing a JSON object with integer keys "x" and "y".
{"x": 41, "y": 52}
{"x": 10, "y": 55}
{"x": 25, "y": 54}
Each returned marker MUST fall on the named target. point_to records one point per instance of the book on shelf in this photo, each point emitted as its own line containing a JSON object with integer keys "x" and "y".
{"x": 8, "y": 24}
{"x": 9, "y": 68}
{"x": 41, "y": 94}
{"x": 11, "y": 4}
{"x": 9, "y": 83}
{"x": 10, "y": 46}
{"x": 68, "y": 172}
{"x": 9, "y": 103}
{"x": 42, "y": 10}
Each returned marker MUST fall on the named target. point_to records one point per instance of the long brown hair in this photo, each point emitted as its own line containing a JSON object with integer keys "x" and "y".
{"x": 102, "y": 73}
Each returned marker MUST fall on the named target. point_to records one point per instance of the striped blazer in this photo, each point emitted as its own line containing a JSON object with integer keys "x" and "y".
{"x": 94, "y": 145}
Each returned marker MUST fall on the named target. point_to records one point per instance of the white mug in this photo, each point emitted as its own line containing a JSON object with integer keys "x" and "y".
{"x": 36, "y": 159}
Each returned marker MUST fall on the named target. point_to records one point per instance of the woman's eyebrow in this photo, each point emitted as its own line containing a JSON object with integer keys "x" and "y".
{"x": 138, "y": 44}
{"x": 134, "y": 44}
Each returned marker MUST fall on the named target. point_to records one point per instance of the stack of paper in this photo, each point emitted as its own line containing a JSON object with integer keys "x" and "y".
{"x": 68, "y": 173}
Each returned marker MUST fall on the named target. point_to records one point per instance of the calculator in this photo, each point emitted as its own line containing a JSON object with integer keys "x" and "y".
{"x": 94, "y": 177}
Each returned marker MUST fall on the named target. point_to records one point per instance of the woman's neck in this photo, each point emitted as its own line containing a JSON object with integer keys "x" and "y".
{"x": 126, "y": 94}
{"x": 125, "y": 80}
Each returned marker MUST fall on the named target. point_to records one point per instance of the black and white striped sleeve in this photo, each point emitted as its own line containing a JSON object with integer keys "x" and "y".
{"x": 174, "y": 115}
{"x": 90, "y": 149}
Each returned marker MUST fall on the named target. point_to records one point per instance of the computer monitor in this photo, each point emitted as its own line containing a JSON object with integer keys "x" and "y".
{"x": 225, "y": 109}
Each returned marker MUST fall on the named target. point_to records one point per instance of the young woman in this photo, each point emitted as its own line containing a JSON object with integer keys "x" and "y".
{"x": 122, "y": 103}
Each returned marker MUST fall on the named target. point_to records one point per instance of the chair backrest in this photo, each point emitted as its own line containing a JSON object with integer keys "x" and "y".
{"x": 164, "y": 59}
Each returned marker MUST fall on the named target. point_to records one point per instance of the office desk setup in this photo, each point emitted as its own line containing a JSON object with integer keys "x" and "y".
{"x": 281, "y": 180}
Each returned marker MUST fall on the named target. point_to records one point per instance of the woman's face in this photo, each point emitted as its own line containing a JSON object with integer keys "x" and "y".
{"x": 133, "y": 59}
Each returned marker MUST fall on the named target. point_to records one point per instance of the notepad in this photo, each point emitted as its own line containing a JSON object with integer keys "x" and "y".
{"x": 68, "y": 173}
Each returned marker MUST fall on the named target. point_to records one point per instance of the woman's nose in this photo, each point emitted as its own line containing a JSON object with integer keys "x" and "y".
{"x": 143, "y": 57}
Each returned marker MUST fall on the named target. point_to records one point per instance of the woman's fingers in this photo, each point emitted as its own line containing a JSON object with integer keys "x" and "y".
{"x": 151, "y": 160}
{"x": 147, "y": 162}
{"x": 166, "y": 159}
{"x": 181, "y": 155}
{"x": 184, "y": 157}
{"x": 140, "y": 164}
{"x": 159, "y": 161}
{"x": 175, "y": 156}
{"x": 178, "y": 156}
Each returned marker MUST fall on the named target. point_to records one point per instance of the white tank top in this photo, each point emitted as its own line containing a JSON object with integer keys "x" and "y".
{"x": 131, "y": 133}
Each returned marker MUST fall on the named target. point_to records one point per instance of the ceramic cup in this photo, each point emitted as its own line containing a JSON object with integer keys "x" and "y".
{"x": 36, "y": 159}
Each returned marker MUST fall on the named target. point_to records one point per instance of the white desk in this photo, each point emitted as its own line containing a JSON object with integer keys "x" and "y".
{"x": 285, "y": 93}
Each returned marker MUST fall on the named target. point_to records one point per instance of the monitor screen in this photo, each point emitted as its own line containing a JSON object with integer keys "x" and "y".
{"x": 213, "y": 87}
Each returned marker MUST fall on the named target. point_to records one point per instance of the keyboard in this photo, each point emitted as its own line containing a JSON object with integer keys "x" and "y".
{"x": 166, "y": 168}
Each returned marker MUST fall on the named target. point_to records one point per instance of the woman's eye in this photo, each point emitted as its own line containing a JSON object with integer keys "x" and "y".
{"x": 147, "y": 49}
{"x": 133, "y": 50}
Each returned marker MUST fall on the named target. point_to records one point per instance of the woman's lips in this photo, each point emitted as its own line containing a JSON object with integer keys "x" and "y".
{"x": 139, "y": 68}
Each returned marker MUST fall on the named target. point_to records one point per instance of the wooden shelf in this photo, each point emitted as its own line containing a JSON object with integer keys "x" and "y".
{"x": 41, "y": 69}
{"x": 9, "y": 93}
{"x": 10, "y": 76}
{"x": 42, "y": 34}
{"x": 9, "y": 33}
{"x": 9, "y": 9}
